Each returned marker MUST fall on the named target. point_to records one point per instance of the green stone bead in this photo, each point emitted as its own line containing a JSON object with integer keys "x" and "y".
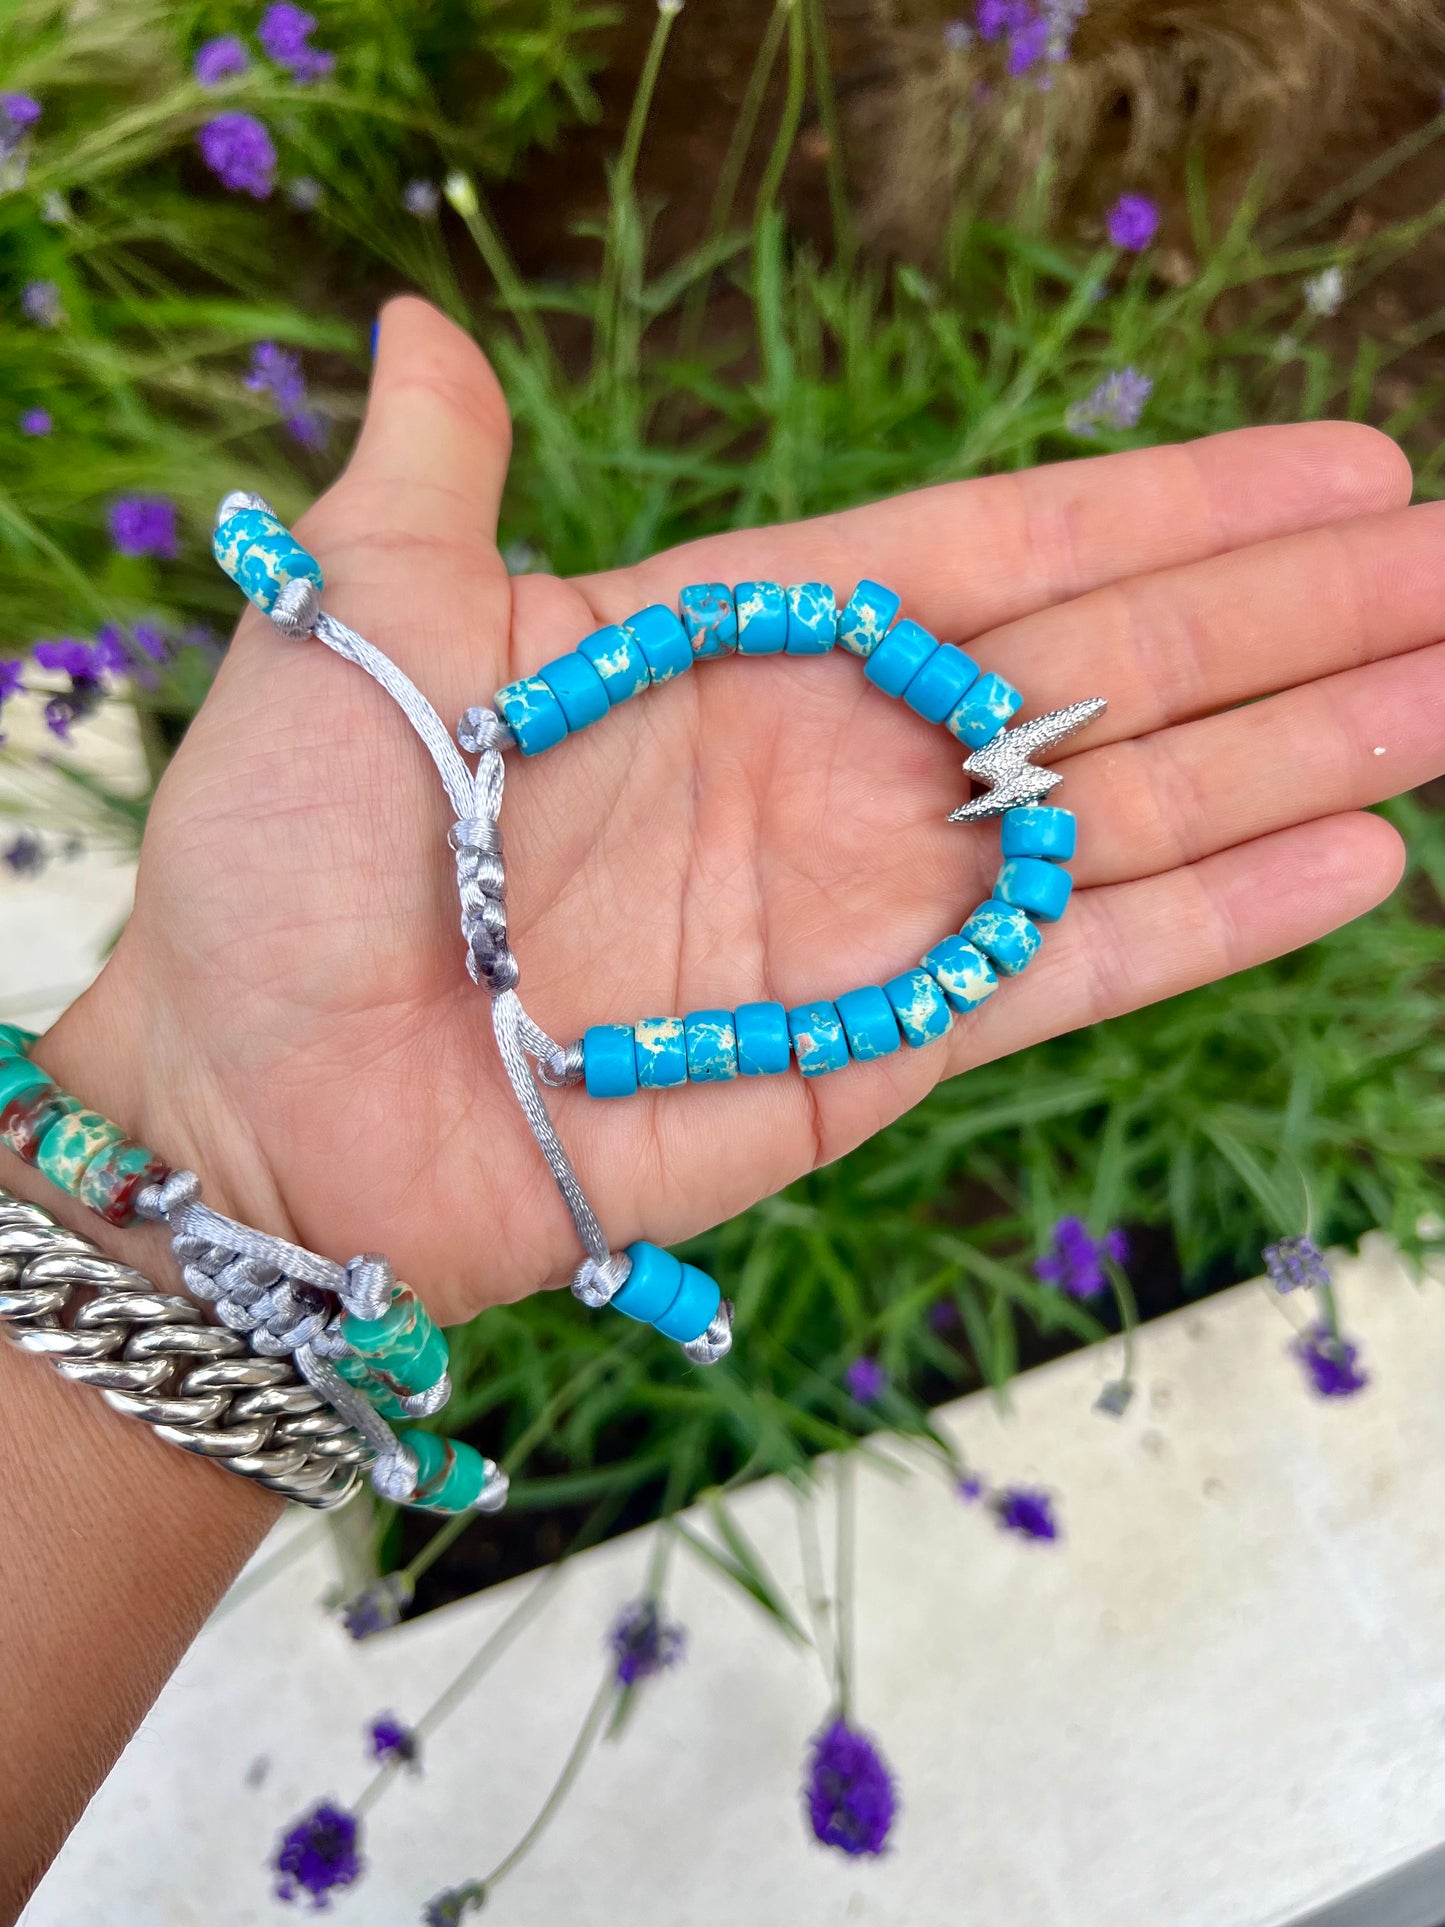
{"x": 18, "y": 1075}
{"x": 72, "y": 1143}
{"x": 451, "y": 1476}
{"x": 403, "y": 1347}
{"x": 15, "y": 1042}
{"x": 114, "y": 1180}
{"x": 358, "y": 1374}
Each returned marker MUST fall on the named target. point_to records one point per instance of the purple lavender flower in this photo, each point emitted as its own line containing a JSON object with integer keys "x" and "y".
{"x": 319, "y": 1854}
{"x": 239, "y": 152}
{"x": 36, "y": 421}
{"x": 865, "y": 1379}
{"x": 1296, "y": 1263}
{"x": 1063, "y": 17}
{"x": 379, "y": 1608}
{"x": 40, "y": 303}
{"x": 392, "y": 1742}
{"x": 1329, "y": 1360}
{"x": 420, "y": 198}
{"x": 995, "y": 18}
{"x": 219, "y": 59}
{"x": 12, "y": 678}
{"x": 943, "y": 1316}
{"x": 1116, "y": 403}
{"x": 643, "y": 1643}
{"x": 26, "y": 855}
{"x": 143, "y": 525}
{"x": 1027, "y": 45}
{"x": 285, "y": 35}
{"x": 1027, "y": 1511}
{"x": 450, "y": 1907}
{"x": 70, "y": 656}
{"x": 20, "y": 110}
{"x": 150, "y": 642}
{"x": 969, "y": 1487}
{"x": 1132, "y": 222}
{"x": 1076, "y": 1263}
{"x": 851, "y": 1801}
{"x": 276, "y": 372}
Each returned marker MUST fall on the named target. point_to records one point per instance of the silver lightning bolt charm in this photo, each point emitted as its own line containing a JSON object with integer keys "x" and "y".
{"x": 1005, "y": 766}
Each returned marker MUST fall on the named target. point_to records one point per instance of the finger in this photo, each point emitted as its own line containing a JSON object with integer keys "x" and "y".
{"x": 431, "y": 459}
{"x": 1342, "y": 743}
{"x": 1131, "y": 944}
{"x": 968, "y": 556}
{"x": 1169, "y": 646}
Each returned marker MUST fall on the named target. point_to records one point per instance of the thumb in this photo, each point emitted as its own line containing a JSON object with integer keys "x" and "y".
{"x": 434, "y": 446}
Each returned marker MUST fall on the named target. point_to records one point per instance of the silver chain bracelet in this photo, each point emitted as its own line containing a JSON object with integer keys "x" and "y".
{"x": 154, "y": 1356}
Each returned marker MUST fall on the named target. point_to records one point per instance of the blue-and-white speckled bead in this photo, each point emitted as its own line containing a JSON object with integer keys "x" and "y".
{"x": 963, "y": 974}
{"x": 1038, "y": 829}
{"x": 618, "y": 660}
{"x": 1004, "y": 935}
{"x": 819, "y": 1041}
{"x": 1032, "y": 883}
{"x": 663, "y": 641}
{"x": 762, "y": 618}
{"x": 984, "y": 710}
{"x": 261, "y": 556}
{"x": 661, "y": 1048}
{"x": 709, "y": 618}
{"x": 865, "y": 618}
{"x": 812, "y": 619}
{"x": 532, "y": 713}
{"x": 712, "y": 1047}
{"x": 920, "y": 1007}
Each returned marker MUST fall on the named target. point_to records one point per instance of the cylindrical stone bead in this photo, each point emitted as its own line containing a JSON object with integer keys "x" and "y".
{"x": 618, "y": 660}
{"x": 359, "y": 1374}
{"x": 812, "y": 619}
{"x": 941, "y": 684}
{"x": 578, "y": 689}
{"x": 651, "y": 1285}
{"x": 762, "y": 618}
{"x": 70, "y": 1145}
{"x": 662, "y": 639}
{"x": 451, "y": 1475}
{"x": 26, "y": 1117}
{"x": 710, "y": 619}
{"x": 261, "y": 556}
{"x": 693, "y": 1308}
{"x": 899, "y": 657}
{"x": 1038, "y": 830}
{"x": 920, "y": 1007}
{"x": 19, "y": 1076}
{"x": 962, "y": 973}
{"x": 819, "y": 1041}
{"x": 403, "y": 1347}
{"x": 984, "y": 711}
{"x": 660, "y": 1044}
{"x": 15, "y": 1042}
{"x": 865, "y": 616}
{"x": 113, "y": 1181}
{"x": 1032, "y": 883}
{"x": 532, "y": 713}
{"x": 1004, "y": 935}
{"x": 609, "y": 1060}
{"x": 712, "y": 1047}
{"x": 868, "y": 1023}
{"x": 764, "y": 1046}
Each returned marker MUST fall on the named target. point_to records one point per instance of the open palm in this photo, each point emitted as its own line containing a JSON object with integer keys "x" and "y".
{"x": 289, "y": 1009}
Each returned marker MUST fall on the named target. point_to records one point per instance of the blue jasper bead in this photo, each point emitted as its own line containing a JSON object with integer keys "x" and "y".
{"x": 899, "y": 657}
{"x": 661, "y": 1047}
{"x": 1029, "y": 883}
{"x": 709, "y": 618}
{"x": 984, "y": 710}
{"x": 762, "y": 618}
{"x": 868, "y": 1023}
{"x": 812, "y": 619}
{"x": 819, "y": 1041}
{"x": 963, "y": 974}
{"x": 261, "y": 556}
{"x": 609, "y": 1060}
{"x": 618, "y": 660}
{"x": 1004, "y": 935}
{"x": 865, "y": 617}
{"x": 578, "y": 688}
{"x": 920, "y": 1007}
{"x": 692, "y": 1310}
{"x": 712, "y": 1047}
{"x": 941, "y": 683}
{"x": 532, "y": 713}
{"x": 651, "y": 1285}
{"x": 764, "y": 1047}
{"x": 663, "y": 640}
{"x": 1038, "y": 830}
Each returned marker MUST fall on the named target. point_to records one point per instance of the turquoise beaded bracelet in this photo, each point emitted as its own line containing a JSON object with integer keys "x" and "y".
{"x": 939, "y": 681}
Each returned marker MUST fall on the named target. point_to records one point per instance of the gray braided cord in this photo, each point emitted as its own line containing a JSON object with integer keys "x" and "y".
{"x": 154, "y": 1357}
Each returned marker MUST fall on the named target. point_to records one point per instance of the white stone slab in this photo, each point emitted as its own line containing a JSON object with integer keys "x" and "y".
{"x": 1220, "y": 1702}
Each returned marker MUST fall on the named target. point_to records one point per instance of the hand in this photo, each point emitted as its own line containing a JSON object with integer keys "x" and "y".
{"x": 288, "y": 1010}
